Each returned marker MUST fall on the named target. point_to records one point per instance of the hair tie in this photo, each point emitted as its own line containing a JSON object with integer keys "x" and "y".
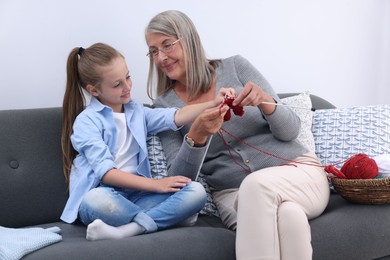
{"x": 81, "y": 51}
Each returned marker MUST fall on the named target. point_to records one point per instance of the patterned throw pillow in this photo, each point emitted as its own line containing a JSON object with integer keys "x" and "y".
{"x": 156, "y": 155}
{"x": 158, "y": 166}
{"x": 343, "y": 132}
{"x": 210, "y": 208}
{"x": 301, "y": 105}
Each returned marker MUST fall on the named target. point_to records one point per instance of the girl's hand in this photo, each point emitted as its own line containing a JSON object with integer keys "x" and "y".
{"x": 171, "y": 184}
{"x": 223, "y": 92}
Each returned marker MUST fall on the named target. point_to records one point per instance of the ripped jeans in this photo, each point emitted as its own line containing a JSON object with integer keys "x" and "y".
{"x": 153, "y": 211}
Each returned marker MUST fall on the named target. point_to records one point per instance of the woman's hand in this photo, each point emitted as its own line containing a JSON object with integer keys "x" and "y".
{"x": 223, "y": 92}
{"x": 171, "y": 184}
{"x": 253, "y": 95}
{"x": 207, "y": 123}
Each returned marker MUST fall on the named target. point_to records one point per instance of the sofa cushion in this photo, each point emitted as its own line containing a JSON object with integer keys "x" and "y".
{"x": 351, "y": 231}
{"x": 208, "y": 239}
{"x": 301, "y": 104}
{"x": 33, "y": 188}
{"x": 343, "y": 132}
{"x": 343, "y": 231}
{"x": 158, "y": 166}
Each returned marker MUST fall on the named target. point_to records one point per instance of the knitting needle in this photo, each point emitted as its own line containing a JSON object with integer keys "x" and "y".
{"x": 281, "y": 104}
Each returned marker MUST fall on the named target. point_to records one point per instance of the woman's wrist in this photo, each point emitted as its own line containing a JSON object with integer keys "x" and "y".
{"x": 195, "y": 141}
{"x": 268, "y": 106}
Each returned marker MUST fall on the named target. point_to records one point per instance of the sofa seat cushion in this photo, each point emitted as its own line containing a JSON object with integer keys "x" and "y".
{"x": 208, "y": 239}
{"x": 351, "y": 231}
{"x": 344, "y": 231}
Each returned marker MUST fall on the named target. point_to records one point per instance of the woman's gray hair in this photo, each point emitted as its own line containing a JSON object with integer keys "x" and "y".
{"x": 200, "y": 71}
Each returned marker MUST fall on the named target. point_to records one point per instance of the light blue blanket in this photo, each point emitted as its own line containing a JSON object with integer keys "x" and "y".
{"x": 17, "y": 242}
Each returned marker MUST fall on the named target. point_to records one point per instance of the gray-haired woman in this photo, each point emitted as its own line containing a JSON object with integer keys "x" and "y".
{"x": 267, "y": 197}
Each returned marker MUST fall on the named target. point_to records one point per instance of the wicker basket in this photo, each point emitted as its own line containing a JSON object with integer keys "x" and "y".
{"x": 363, "y": 191}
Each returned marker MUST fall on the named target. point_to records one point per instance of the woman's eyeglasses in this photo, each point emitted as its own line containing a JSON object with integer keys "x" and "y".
{"x": 167, "y": 48}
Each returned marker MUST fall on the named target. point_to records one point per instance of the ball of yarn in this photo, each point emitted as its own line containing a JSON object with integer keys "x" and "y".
{"x": 360, "y": 166}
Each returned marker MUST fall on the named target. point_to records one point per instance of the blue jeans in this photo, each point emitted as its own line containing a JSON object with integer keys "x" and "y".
{"x": 153, "y": 211}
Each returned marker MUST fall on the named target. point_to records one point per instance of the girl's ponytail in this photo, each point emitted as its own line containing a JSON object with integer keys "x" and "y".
{"x": 73, "y": 104}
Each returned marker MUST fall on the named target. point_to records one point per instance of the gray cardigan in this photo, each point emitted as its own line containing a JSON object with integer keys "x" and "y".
{"x": 275, "y": 134}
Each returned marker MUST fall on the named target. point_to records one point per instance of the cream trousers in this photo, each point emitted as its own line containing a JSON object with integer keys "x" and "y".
{"x": 271, "y": 209}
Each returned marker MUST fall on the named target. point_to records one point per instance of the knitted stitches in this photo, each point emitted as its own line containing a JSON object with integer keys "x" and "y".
{"x": 17, "y": 242}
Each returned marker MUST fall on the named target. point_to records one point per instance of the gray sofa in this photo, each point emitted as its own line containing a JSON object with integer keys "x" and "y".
{"x": 33, "y": 193}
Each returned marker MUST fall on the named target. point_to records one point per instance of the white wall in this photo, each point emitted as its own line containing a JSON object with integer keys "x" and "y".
{"x": 338, "y": 49}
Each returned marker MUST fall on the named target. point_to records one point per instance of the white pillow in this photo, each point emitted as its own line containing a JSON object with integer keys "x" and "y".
{"x": 343, "y": 132}
{"x": 301, "y": 105}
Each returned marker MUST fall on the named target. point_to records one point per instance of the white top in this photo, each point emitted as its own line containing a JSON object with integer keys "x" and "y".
{"x": 126, "y": 151}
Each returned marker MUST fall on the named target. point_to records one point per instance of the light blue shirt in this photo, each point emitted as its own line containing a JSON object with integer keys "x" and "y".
{"x": 94, "y": 138}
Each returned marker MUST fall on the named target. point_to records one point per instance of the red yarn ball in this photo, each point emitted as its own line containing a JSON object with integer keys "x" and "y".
{"x": 360, "y": 166}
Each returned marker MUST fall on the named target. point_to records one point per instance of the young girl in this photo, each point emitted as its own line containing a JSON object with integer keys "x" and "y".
{"x": 105, "y": 154}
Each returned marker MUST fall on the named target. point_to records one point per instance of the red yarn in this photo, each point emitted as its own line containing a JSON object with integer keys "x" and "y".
{"x": 237, "y": 110}
{"x": 360, "y": 166}
{"x": 336, "y": 172}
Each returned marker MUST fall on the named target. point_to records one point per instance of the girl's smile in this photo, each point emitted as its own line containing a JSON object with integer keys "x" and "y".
{"x": 114, "y": 90}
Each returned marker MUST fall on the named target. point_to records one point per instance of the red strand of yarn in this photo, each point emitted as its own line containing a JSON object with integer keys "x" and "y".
{"x": 336, "y": 172}
{"x": 359, "y": 166}
{"x": 221, "y": 131}
{"x": 230, "y": 152}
